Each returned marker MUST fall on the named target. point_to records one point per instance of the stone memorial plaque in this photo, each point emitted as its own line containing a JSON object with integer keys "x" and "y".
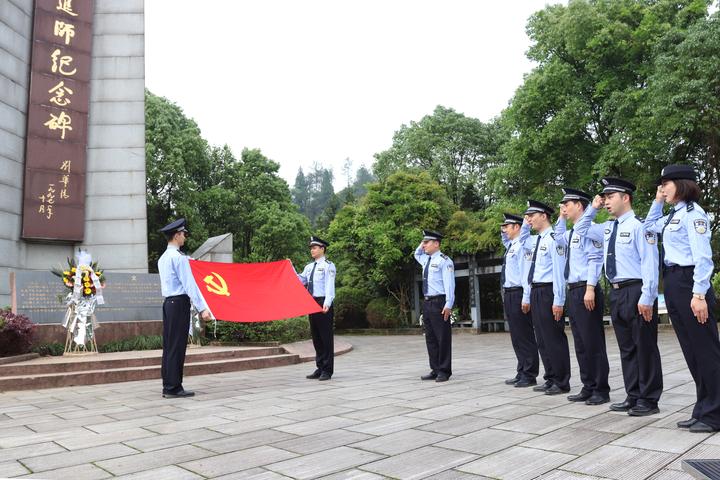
{"x": 129, "y": 297}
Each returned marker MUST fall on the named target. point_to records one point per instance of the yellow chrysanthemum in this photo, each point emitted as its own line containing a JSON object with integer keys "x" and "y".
{"x": 66, "y": 273}
{"x": 73, "y": 269}
{"x": 88, "y": 291}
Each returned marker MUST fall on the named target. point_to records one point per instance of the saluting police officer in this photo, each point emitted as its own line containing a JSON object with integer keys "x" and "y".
{"x": 512, "y": 279}
{"x": 439, "y": 297}
{"x": 690, "y": 299}
{"x": 631, "y": 266}
{"x": 319, "y": 277}
{"x": 179, "y": 289}
{"x": 585, "y": 300}
{"x": 546, "y": 297}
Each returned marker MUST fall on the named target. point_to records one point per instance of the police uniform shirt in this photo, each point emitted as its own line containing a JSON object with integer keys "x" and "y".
{"x": 586, "y": 255}
{"x": 441, "y": 275}
{"x": 323, "y": 279}
{"x": 176, "y": 277}
{"x": 549, "y": 263}
{"x": 686, "y": 240}
{"x": 513, "y": 262}
{"x": 636, "y": 253}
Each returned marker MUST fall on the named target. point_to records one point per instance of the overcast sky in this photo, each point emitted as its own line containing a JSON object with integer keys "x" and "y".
{"x": 321, "y": 81}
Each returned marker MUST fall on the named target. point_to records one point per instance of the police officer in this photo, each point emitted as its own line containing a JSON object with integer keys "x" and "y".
{"x": 585, "y": 300}
{"x": 319, "y": 278}
{"x": 631, "y": 266}
{"x": 546, "y": 297}
{"x": 687, "y": 268}
{"x": 512, "y": 279}
{"x": 439, "y": 297}
{"x": 179, "y": 289}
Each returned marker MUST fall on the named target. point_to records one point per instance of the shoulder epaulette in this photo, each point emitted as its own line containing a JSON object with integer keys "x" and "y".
{"x": 640, "y": 219}
{"x": 552, "y": 234}
{"x": 328, "y": 261}
{"x": 690, "y": 206}
{"x": 444, "y": 256}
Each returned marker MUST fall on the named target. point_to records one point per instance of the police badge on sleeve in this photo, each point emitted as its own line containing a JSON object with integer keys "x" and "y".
{"x": 650, "y": 238}
{"x": 560, "y": 250}
{"x": 700, "y": 226}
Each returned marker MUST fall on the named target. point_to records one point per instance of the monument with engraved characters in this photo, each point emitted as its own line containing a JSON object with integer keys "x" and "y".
{"x": 72, "y": 157}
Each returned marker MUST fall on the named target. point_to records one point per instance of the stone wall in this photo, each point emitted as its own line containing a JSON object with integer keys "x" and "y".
{"x": 116, "y": 224}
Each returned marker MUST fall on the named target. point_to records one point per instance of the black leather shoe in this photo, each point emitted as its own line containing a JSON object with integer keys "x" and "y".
{"x": 597, "y": 400}
{"x": 622, "y": 406}
{"x": 314, "y": 375}
{"x": 642, "y": 411}
{"x": 543, "y": 387}
{"x": 687, "y": 423}
{"x": 512, "y": 381}
{"x": 429, "y": 376}
{"x": 180, "y": 394}
{"x": 555, "y": 390}
{"x": 442, "y": 378}
{"x": 579, "y": 397}
{"x": 700, "y": 427}
{"x": 324, "y": 376}
{"x": 525, "y": 383}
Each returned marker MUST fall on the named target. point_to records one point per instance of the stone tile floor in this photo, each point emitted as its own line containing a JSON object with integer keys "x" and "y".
{"x": 374, "y": 419}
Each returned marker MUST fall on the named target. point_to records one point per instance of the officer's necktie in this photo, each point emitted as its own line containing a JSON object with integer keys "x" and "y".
{"x": 311, "y": 279}
{"x": 534, "y": 257}
{"x": 662, "y": 239}
{"x": 425, "y": 276}
{"x": 610, "y": 265}
{"x": 502, "y": 272}
{"x": 567, "y": 258}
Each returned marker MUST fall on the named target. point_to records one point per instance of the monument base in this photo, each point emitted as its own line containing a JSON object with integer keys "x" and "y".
{"x": 108, "y": 331}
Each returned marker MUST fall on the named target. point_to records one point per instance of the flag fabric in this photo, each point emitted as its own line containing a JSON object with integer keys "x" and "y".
{"x": 252, "y": 292}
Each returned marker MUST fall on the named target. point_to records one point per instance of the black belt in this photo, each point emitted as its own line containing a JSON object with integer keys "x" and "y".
{"x": 173, "y": 297}
{"x": 541, "y": 284}
{"x": 429, "y": 298}
{"x": 319, "y": 298}
{"x": 670, "y": 268}
{"x": 625, "y": 283}
{"x": 512, "y": 289}
{"x": 574, "y": 285}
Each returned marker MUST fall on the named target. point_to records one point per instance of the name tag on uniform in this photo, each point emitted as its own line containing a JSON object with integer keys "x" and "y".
{"x": 674, "y": 221}
{"x": 543, "y": 247}
{"x": 435, "y": 265}
{"x": 624, "y": 234}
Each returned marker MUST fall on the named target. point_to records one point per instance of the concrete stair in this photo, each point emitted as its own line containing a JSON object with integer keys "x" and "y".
{"x": 131, "y": 366}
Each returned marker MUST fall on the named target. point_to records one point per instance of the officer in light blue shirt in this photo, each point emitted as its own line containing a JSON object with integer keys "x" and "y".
{"x": 547, "y": 297}
{"x": 438, "y": 300}
{"x": 319, "y": 278}
{"x": 513, "y": 279}
{"x": 687, "y": 267}
{"x": 585, "y": 300}
{"x": 631, "y": 266}
{"x": 179, "y": 289}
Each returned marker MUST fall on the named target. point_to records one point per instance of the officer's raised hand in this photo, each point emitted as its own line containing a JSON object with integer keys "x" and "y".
{"x": 557, "y": 312}
{"x": 659, "y": 195}
{"x": 598, "y": 202}
{"x": 446, "y": 313}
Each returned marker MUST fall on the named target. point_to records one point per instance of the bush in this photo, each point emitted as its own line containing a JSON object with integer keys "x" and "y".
{"x": 283, "y": 331}
{"x": 16, "y": 333}
{"x": 53, "y": 349}
{"x": 349, "y": 306}
{"x": 141, "y": 342}
{"x": 383, "y": 313}
{"x": 716, "y": 283}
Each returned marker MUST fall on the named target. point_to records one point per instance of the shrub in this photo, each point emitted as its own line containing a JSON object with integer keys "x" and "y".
{"x": 16, "y": 333}
{"x": 716, "y": 283}
{"x": 349, "y": 306}
{"x": 141, "y": 342}
{"x": 53, "y": 349}
{"x": 283, "y": 331}
{"x": 383, "y": 313}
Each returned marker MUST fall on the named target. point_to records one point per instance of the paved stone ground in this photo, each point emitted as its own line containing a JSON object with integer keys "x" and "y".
{"x": 374, "y": 419}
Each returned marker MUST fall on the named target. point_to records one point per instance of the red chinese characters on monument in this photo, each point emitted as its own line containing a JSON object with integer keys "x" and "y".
{"x": 57, "y": 129}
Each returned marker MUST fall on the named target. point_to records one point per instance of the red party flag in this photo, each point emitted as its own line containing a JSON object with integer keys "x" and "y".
{"x": 252, "y": 292}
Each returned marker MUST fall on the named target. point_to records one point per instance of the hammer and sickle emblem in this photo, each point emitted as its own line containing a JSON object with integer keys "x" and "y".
{"x": 214, "y": 287}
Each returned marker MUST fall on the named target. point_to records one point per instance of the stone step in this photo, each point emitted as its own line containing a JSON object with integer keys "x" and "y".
{"x": 149, "y": 372}
{"x": 102, "y": 362}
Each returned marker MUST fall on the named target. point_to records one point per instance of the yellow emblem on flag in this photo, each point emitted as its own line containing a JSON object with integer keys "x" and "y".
{"x": 214, "y": 287}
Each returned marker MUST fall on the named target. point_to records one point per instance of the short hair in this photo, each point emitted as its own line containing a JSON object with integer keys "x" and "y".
{"x": 687, "y": 190}
{"x": 582, "y": 202}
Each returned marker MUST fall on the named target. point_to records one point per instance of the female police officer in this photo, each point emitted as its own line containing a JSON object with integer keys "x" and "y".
{"x": 687, "y": 267}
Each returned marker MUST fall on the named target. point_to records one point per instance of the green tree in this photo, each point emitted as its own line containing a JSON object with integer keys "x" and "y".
{"x": 570, "y": 117}
{"x": 454, "y": 149}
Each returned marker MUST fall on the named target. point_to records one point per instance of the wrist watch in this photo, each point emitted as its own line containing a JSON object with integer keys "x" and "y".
{"x": 698, "y": 296}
